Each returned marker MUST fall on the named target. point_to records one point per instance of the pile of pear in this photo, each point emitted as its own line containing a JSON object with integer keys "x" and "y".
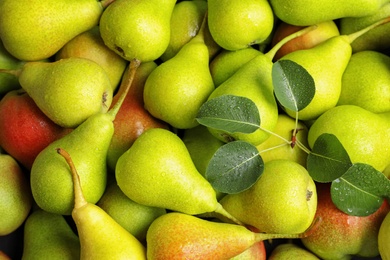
{"x": 102, "y": 156}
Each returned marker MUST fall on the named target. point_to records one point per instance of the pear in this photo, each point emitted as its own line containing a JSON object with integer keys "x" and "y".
{"x": 67, "y": 91}
{"x": 363, "y": 134}
{"x": 137, "y": 29}
{"x": 49, "y": 177}
{"x": 383, "y": 238}
{"x": 36, "y": 30}
{"x": 365, "y": 82}
{"x": 166, "y": 177}
{"x": 290, "y": 250}
{"x": 295, "y": 12}
{"x": 7, "y": 61}
{"x": 101, "y": 237}
{"x": 134, "y": 217}
{"x": 180, "y": 236}
{"x": 90, "y": 45}
{"x": 177, "y": 88}
{"x": 48, "y": 235}
{"x": 288, "y": 209}
{"x": 236, "y": 24}
{"x": 15, "y": 200}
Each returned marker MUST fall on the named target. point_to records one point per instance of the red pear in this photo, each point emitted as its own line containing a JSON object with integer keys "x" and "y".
{"x": 340, "y": 236}
{"x": 24, "y": 129}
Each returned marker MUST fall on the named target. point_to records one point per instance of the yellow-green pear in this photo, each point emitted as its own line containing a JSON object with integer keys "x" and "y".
{"x": 68, "y": 91}
{"x": 366, "y": 81}
{"x": 290, "y": 251}
{"x": 8, "y": 82}
{"x": 137, "y": 29}
{"x": 283, "y": 144}
{"x": 364, "y": 135}
{"x": 90, "y": 45}
{"x": 36, "y": 30}
{"x": 49, "y": 236}
{"x": 296, "y": 12}
{"x": 283, "y": 200}
{"x": 101, "y": 237}
{"x": 134, "y": 217}
{"x": 384, "y": 238}
{"x": 177, "y": 88}
{"x": 236, "y": 24}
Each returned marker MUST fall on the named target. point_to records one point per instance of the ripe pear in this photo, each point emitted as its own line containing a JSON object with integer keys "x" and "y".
{"x": 67, "y": 91}
{"x": 180, "y": 236}
{"x": 366, "y": 83}
{"x": 289, "y": 209}
{"x": 281, "y": 146}
{"x": 287, "y": 251}
{"x": 101, "y": 237}
{"x": 15, "y": 200}
{"x": 137, "y": 29}
{"x": 166, "y": 177}
{"x": 377, "y": 39}
{"x": 49, "y": 236}
{"x": 295, "y": 12}
{"x": 7, "y": 61}
{"x": 383, "y": 238}
{"x": 362, "y": 133}
{"x": 341, "y": 236}
{"x": 36, "y": 30}
{"x": 49, "y": 177}
{"x": 177, "y": 88}
{"x": 236, "y": 24}
{"x": 90, "y": 45}
{"x": 134, "y": 217}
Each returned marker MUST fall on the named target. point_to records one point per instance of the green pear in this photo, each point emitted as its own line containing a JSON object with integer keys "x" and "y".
{"x": 226, "y": 63}
{"x": 177, "y": 88}
{"x": 7, "y": 61}
{"x": 134, "y": 217}
{"x": 137, "y": 29}
{"x": 166, "y": 177}
{"x": 101, "y": 237}
{"x": 90, "y": 45}
{"x": 180, "y": 236}
{"x": 36, "y": 30}
{"x": 365, "y": 81}
{"x": 288, "y": 209}
{"x": 362, "y": 133}
{"x": 295, "y": 12}
{"x": 377, "y": 39}
{"x": 50, "y": 181}
{"x": 287, "y": 251}
{"x": 49, "y": 236}
{"x": 67, "y": 91}
{"x": 282, "y": 145}
{"x": 384, "y": 239}
{"x": 238, "y": 24}
{"x": 15, "y": 199}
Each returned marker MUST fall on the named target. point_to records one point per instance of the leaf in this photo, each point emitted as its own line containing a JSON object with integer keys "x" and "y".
{"x": 294, "y": 87}
{"x": 328, "y": 159}
{"x": 229, "y": 113}
{"x": 361, "y": 190}
{"x": 234, "y": 167}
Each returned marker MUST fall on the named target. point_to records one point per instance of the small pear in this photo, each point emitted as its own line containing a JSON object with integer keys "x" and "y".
{"x": 101, "y": 237}
{"x": 137, "y": 29}
{"x": 287, "y": 251}
{"x": 181, "y": 236}
{"x": 7, "y": 61}
{"x": 236, "y": 24}
{"x": 36, "y": 30}
{"x": 383, "y": 238}
{"x": 48, "y": 235}
{"x": 90, "y": 45}
{"x": 177, "y": 88}
{"x": 67, "y": 91}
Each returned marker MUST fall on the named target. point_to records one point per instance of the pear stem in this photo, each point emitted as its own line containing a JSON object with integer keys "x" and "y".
{"x": 79, "y": 199}
{"x": 16, "y": 73}
{"x": 133, "y": 66}
{"x": 271, "y": 53}
{"x": 223, "y": 212}
{"x": 355, "y": 35}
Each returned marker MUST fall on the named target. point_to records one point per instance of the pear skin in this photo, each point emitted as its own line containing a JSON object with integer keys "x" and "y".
{"x": 383, "y": 238}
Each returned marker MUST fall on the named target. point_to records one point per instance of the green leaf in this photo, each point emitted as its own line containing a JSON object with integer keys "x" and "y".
{"x": 234, "y": 167}
{"x": 229, "y": 113}
{"x": 294, "y": 87}
{"x": 361, "y": 190}
{"x": 328, "y": 159}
